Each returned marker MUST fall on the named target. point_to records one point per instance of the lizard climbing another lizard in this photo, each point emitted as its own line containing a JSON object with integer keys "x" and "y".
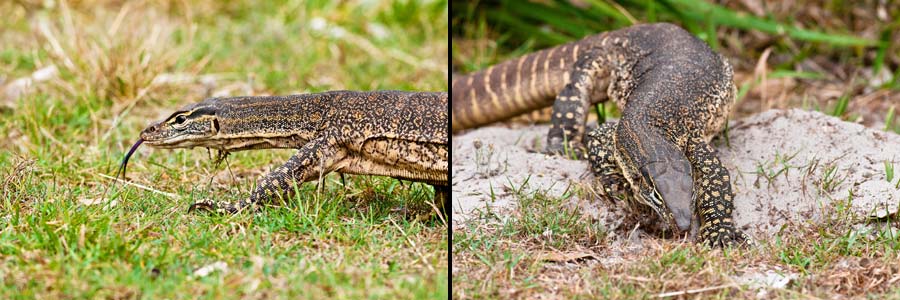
{"x": 388, "y": 133}
{"x": 675, "y": 94}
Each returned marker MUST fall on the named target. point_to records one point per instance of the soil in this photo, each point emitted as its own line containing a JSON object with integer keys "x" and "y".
{"x": 788, "y": 167}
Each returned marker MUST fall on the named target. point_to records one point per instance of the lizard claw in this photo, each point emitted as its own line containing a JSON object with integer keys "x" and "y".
{"x": 724, "y": 236}
{"x": 214, "y": 206}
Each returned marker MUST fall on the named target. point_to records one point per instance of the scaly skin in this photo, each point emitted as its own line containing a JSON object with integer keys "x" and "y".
{"x": 387, "y": 133}
{"x": 674, "y": 92}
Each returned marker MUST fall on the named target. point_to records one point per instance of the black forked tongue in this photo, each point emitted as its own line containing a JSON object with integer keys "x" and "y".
{"x": 127, "y": 156}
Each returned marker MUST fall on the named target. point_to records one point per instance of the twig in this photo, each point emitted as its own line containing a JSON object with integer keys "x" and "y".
{"x": 437, "y": 211}
{"x": 143, "y": 187}
{"x": 50, "y": 137}
{"x": 413, "y": 245}
{"x": 697, "y": 291}
{"x": 632, "y": 278}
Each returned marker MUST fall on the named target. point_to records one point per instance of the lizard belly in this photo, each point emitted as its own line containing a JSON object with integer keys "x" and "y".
{"x": 402, "y": 159}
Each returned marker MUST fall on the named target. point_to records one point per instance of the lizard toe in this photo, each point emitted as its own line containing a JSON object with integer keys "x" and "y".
{"x": 724, "y": 236}
{"x": 213, "y": 206}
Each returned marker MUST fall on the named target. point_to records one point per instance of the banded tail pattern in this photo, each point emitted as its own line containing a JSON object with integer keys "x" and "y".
{"x": 513, "y": 87}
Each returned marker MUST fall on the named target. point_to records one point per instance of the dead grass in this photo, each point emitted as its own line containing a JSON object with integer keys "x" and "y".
{"x": 501, "y": 259}
{"x": 15, "y": 176}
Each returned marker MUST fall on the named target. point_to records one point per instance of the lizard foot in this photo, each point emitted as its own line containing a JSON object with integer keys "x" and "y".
{"x": 220, "y": 207}
{"x": 720, "y": 236}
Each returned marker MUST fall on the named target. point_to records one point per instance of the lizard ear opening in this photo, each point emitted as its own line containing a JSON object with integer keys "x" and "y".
{"x": 215, "y": 126}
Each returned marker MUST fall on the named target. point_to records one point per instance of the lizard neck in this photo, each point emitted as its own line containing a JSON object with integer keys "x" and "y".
{"x": 268, "y": 122}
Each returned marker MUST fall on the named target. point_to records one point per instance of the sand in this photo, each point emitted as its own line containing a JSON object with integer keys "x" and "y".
{"x": 788, "y": 167}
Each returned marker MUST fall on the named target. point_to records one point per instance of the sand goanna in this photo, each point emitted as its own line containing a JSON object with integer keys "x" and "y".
{"x": 675, "y": 94}
{"x": 389, "y": 133}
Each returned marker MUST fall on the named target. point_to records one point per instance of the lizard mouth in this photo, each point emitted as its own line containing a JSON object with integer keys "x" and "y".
{"x": 168, "y": 142}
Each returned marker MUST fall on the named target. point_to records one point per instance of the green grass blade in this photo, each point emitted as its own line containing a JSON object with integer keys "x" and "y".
{"x": 841, "y": 107}
{"x": 889, "y": 120}
{"x": 888, "y": 171}
{"x": 702, "y": 10}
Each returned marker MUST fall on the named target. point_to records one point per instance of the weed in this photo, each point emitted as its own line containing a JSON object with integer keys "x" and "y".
{"x": 889, "y": 119}
{"x": 841, "y": 106}
{"x": 485, "y": 161}
{"x": 889, "y": 171}
{"x": 830, "y": 178}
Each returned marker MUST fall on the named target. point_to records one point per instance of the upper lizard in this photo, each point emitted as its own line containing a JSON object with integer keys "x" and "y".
{"x": 389, "y": 133}
{"x": 674, "y": 92}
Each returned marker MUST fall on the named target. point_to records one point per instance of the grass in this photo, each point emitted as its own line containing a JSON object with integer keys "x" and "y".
{"x": 121, "y": 66}
{"x": 841, "y": 106}
{"x": 553, "y": 22}
{"x": 889, "y": 121}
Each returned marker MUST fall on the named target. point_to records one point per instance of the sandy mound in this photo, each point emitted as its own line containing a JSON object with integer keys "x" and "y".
{"x": 788, "y": 167}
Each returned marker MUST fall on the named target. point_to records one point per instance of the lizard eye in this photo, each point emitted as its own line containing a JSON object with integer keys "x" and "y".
{"x": 180, "y": 119}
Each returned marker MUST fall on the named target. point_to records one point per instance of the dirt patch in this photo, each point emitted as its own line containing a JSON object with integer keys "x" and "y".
{"x": 788, "y": 167}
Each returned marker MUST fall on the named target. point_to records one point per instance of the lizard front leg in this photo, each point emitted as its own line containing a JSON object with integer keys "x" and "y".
{"x": 713, "y": 196}
{"x": 601, "y": 150}
{"x": 312, "y": 160}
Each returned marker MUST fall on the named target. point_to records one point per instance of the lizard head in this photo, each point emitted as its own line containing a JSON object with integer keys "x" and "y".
{"x": 661, "y": 177}
{"x": 667, "y": 186}
{"x": 188, "y": 127}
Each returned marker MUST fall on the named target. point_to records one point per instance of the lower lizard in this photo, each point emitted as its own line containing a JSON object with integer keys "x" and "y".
{"x": 675, "y": 94}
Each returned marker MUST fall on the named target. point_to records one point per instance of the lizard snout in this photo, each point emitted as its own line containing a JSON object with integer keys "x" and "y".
{"x": 150, "y": 130}
{"x": 675, "y": 184}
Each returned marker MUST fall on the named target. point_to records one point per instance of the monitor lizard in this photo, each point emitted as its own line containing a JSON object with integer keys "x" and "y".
{"x": 388, "y": 133}
{"x": 675, "y": 94}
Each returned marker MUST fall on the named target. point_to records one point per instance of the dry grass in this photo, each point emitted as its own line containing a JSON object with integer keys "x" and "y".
{"x": 501, "y": 259}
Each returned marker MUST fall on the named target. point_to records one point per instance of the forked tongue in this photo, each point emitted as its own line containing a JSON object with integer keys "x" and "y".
{"x": 127, "y": 156}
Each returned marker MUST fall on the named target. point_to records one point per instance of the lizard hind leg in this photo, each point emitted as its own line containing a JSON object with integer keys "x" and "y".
{"x": 570, "y": 107}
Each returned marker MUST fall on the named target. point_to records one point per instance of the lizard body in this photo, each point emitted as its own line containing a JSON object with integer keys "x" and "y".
{"x": 387, "y": 133}
{"x": 675, "y": 94}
